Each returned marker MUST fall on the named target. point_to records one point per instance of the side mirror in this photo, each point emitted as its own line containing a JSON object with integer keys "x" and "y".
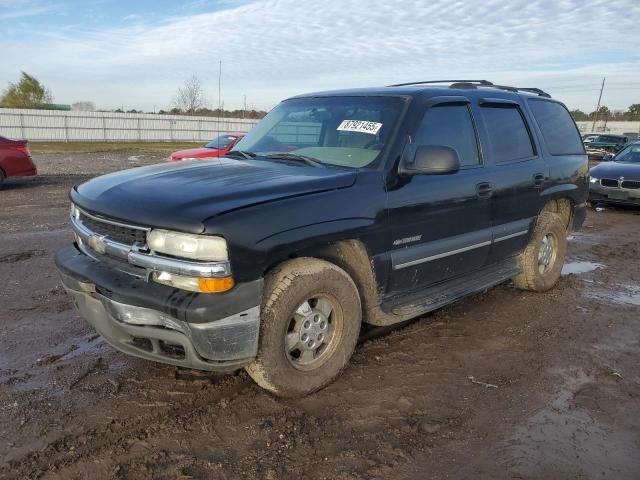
{"x": 431, "y": 160}
{"x": 608, "y": 157}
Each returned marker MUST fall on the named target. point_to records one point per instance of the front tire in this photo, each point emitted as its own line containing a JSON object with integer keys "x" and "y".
{"x": 309, "y": 325}
{"x": 542, "y": 261}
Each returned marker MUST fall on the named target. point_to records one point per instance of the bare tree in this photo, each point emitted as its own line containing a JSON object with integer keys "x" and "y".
{"x": 190, "y": 97}
{"x": 84, "y": 106}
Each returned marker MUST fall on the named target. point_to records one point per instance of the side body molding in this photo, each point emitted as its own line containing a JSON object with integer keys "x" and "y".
{"x": 426, "y": 252}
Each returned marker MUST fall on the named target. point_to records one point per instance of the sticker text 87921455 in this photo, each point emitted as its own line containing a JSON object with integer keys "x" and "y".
{"x": 361, "y": 126}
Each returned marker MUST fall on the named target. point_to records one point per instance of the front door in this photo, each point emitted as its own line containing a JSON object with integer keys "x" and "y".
{"x": 440, "y": 224}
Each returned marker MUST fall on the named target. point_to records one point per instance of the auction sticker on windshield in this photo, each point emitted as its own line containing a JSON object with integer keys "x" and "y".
{"x": 359, "y": 126}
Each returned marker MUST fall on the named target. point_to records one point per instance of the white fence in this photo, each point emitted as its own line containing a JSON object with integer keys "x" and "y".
{"x": 616, "y": 128}
{"x": 61, "y": 126}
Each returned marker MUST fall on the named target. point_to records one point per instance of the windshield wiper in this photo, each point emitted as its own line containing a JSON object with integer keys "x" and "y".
{"x": 240, "y": 153}
{"x": 296, "y": 158}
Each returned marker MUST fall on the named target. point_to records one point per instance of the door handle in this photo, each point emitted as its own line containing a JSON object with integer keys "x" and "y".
{"x": 484, "y": 190}
{"x": 538, "y": 179}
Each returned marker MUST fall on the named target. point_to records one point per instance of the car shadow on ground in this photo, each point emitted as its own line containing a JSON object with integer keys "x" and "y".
{"x": 20, "y": 183}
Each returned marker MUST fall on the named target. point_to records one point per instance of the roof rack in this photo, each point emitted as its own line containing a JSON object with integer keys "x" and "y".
{"x": 476, "y": 84}
{"x": 480, "y": 82}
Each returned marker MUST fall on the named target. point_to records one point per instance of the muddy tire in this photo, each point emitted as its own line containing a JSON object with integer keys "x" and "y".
{"x": 541, "y": 262}
{"x": 309, "y": 324}
{"x": 2, "y": 177}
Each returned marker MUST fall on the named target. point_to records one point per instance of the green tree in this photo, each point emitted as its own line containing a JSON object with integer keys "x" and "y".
{"x": 633, "y": 112}
{"x": 603, "y": 113}
{"x": 579, "y": 115}
{"x": 28, "y": 92}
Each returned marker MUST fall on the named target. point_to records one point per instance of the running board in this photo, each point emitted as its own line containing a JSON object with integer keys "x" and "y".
{"x": 424, "y": 301}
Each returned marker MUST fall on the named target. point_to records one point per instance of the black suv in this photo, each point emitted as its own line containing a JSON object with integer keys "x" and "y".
{"x": 371, "y": 205}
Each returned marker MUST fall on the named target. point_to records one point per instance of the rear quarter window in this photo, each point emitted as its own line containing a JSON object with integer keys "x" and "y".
{"x": 558, "y": 129}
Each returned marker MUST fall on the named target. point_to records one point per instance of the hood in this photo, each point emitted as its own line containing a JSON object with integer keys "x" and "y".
{"x": 196, "y": 153}
{"x": 630, "y": 171}
{"x": 181, "y": 196}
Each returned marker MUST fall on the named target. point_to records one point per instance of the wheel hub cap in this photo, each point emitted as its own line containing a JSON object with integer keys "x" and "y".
{"x": 309, "y": 338}
{"x": 314, "y": 330}
{"x": 546, "y": 253}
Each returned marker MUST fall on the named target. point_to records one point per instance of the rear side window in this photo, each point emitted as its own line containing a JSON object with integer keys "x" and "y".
{"x": 508, "y": 133}
{"x": 450, "y": 126}
{"x": 558, "y": 130}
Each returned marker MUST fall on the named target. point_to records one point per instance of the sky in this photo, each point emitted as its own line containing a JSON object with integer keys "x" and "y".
{"x": 137, "y": 53}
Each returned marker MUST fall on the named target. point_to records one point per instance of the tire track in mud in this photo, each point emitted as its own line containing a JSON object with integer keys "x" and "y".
{"x": 21, "y": 256}
{"x": 393, "y": 429}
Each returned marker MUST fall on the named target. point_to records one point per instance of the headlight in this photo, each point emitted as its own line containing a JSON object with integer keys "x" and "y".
{"x": 184, "y": 245}
{"x": 75, "y": 213}
{"x": 594, "y": 180}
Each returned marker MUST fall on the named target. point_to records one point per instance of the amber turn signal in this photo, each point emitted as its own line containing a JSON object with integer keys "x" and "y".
{"x": 215, "y": 285}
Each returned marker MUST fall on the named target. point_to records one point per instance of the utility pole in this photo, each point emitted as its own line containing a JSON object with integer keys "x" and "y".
{"x": 219, "y": 84}
{"x": 244, "y": 107}
{"x": 595, "y": 116}
{"x": 219, "y": 102}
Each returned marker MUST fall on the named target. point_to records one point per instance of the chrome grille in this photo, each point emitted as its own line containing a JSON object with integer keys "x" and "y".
{"x": 118, "y": 233}
{"x": 631, "y": 184}
{"x": 609, "y": 182}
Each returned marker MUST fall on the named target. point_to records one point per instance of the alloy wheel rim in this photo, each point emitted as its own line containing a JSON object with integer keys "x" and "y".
{"x": 312, "y": 332}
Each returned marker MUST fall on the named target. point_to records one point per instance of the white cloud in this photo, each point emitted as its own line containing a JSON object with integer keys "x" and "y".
{"x": 275, "y": 48}
{"x": 16, "y": 9}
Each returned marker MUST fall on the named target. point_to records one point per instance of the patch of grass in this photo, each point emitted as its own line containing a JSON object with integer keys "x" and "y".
{"x": 94, "y": 147}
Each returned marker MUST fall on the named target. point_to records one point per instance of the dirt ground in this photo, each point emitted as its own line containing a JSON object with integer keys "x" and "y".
{"x": 503, "y": 384}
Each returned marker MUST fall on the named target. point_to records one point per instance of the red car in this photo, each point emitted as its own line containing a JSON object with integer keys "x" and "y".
{"x": 15, "y": 159}
{"x": 215, "y": 148}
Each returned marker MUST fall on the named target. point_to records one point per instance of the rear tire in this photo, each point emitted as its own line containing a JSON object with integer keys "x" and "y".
{"x": 309, "y": 325}
{"x": 2, "y": 177}
{"x": 542, "y": 261}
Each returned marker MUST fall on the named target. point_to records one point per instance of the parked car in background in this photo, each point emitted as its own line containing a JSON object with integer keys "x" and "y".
{"x": 15, "y": 159}
{"x": 339, "y": 208}
{"x": 603, "y": 144}
{"x": 588, "y": 138}
{"x": 617, "y": 179}
{"x": 215, "y": 148}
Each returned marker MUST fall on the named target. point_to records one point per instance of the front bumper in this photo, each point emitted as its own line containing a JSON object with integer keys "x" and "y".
{"x": 619, "y": 195}
{"x": 118, "y": 305}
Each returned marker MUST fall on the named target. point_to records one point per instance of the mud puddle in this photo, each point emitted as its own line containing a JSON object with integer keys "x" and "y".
{"x": 580, "y": 267}
{"x": 565, "y": 441}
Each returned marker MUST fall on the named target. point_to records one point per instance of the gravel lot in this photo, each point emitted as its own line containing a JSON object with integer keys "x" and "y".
{"x": 504, "y": 384}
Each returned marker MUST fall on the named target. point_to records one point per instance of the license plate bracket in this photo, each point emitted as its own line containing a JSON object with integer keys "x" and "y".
{"x": 618, "y": 195}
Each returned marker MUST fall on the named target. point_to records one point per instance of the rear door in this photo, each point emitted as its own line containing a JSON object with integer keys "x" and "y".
{"x": 440, "y": 224}
{"x": 517, "y": 170}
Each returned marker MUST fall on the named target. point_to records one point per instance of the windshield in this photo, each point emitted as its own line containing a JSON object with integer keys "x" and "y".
{"x": 631, "y": 154}
{"x": 607, "y": 139}
{"x": 343, "y": 131}
{"x": 223, "y": 141}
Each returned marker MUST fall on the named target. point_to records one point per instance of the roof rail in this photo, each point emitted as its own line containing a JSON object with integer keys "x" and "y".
{"x": 480, "y": 82}
{"x": 537, "y": 91}
{"x": 542, "y": 93}
{"x": 475, "y": 84}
